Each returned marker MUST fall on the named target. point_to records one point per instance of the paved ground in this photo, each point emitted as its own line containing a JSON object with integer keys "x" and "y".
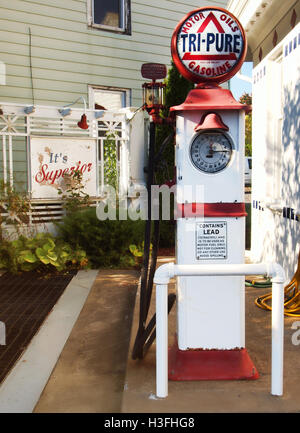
{"x": 95, "y": 372}
{"x": 220, "y": 396}
{"x": 22, "y": 388}
{"x": 89, "y": 375}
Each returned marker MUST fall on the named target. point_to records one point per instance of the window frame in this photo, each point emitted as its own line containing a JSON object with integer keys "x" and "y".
{"x": 126, "y": 18}
{"x": 93, "y": 88}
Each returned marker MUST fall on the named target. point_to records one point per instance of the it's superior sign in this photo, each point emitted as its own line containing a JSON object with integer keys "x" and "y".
{"x": 52, "y": 158}
{"x": 209, "y": 44}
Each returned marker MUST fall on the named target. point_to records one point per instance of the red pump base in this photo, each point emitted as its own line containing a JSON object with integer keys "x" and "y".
{"x": 213, "y": 364}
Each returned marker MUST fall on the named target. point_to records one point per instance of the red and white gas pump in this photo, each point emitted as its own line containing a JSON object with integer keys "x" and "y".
{"x": 209, "y": 47}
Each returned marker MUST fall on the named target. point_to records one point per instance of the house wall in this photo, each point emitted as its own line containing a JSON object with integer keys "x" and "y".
{"x": 68, "y": 55}
{"x": 276, "y": 155}
{"x": 261, "y": 19}
{"x": 276, "y": 18}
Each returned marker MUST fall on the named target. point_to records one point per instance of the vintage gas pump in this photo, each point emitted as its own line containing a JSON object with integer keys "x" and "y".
{"x": 208, "y": 48}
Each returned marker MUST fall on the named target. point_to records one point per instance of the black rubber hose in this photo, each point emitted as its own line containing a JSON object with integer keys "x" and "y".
{"x": 149, "y": 337}
{"x": 137, "y": 351}
{"x": 145, "y": 335}
{"x": 155, "y": 246}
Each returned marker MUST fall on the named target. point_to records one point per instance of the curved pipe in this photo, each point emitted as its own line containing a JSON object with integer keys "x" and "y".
{"x": 169, "y": 270}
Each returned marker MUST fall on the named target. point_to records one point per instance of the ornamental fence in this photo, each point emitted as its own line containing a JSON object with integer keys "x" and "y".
{"x": 115, "y": 142}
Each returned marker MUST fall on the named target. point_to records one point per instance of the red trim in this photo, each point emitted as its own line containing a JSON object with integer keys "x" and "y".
{"x": 210, "y": 98}
{"x": 207, "y": 20}
{"x": 212, "y": 364}
{"x": 211, "y": 121}
{"x": 189, "y": 75}
{"x": 189, "y": 56}
{"x": 190, "y": 210}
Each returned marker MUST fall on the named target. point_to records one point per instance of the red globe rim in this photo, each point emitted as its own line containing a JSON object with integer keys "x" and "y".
{"x": 189, "y": 75}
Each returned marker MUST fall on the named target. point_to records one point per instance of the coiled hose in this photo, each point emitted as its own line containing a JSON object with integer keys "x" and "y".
{"x": 291, "y": 294}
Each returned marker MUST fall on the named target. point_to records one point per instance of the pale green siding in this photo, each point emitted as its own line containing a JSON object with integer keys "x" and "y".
{"x": 67, "y": 55}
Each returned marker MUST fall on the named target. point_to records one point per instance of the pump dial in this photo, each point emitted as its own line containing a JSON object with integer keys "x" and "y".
{"x": 211, "y": 152}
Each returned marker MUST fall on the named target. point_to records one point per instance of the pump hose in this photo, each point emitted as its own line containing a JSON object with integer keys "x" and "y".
{"x": 146, "y": 333}
{"x": 291, "y": 295}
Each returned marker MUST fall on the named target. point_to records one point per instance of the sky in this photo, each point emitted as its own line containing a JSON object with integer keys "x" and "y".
{"x": 237, "y": 86}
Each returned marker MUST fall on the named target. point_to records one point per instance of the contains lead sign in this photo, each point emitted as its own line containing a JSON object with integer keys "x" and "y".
{"x": 211, "y": 240}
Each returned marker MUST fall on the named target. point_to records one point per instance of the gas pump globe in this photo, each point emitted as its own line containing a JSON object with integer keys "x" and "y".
{"x": 209, "y": 47}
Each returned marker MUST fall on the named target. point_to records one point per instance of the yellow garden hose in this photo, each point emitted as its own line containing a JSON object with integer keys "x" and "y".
{"x": 291, "y": 295}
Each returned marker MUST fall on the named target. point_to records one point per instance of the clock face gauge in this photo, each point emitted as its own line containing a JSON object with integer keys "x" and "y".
{"x": 211, "y": 152}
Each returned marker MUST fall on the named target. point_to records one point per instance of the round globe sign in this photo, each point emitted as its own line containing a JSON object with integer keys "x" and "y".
{"x": 209, "y": 44}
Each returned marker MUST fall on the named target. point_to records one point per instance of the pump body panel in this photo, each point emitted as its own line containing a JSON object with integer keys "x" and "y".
{"x": 226, "y": 186}
{"x": 210, "y": 227}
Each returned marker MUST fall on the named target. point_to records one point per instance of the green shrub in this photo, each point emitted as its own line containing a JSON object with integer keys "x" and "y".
{"x": 43, "y": 252}
{"x": 105, "y": 242}
{"x": 72, "y": 194}
{"x": 167, "y": 233}
{"x": 177, "y": 89}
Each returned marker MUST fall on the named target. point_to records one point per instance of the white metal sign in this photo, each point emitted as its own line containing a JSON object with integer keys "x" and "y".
{"x": 208, "y": 44}
{"x": 211, "y": 240}
{"x": 54, "y": 158}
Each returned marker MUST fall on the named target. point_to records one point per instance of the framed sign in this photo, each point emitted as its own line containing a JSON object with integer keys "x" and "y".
{"x": 208, "y": 45}
{"x": 54, "y": 158}
{"x": 211, "y": 240}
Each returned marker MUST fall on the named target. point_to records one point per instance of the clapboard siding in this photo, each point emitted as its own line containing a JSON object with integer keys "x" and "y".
{"x": 93, "y": 49}
{"x": 45, "y": 56}
{"x": 68, "y": 55}
{"x": 42, "y": 38}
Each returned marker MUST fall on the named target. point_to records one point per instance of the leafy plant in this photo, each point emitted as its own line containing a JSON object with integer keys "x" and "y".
{"x": 110, "y": 158}
{"x": 14, "y": 207}
{"x": 106, "y": 242}
{"x": 72, "y": 193}
{"x": 43, "y": 252}
{"x": 138, "y": 252}
{"x": 247, "y": 99}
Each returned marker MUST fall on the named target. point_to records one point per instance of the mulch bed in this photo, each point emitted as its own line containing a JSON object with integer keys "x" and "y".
{"x": 25, "y": 301}
{"x": 166, "y": 252}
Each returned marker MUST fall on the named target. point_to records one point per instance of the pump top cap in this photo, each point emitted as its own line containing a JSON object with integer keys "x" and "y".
{"x": 208, "y": 45}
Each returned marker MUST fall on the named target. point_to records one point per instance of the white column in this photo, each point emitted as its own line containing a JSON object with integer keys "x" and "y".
{"x": 162, "y": 340}
{"x": 277, "y": 337}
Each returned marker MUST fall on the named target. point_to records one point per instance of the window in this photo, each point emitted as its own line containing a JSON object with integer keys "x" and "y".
{"x": 108, "y": 98}
{"x": 112, "y": 15}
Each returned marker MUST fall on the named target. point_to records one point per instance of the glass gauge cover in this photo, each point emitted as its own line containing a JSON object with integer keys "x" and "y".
{"x": 211, "y": 152}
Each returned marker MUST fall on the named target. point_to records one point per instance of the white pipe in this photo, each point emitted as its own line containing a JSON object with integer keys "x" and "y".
{"x": 169, "y": 270}
{"x": 162, "y": 340}
{"x": 277, "y": 338}
{"x": 4, "y": 158}
{"x": 10, "y": 160}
